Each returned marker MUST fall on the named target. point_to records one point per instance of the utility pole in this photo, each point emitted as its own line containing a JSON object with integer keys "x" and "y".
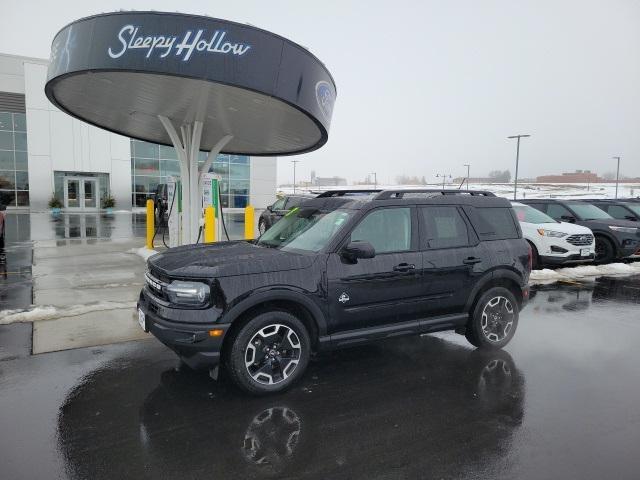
{"x": 294, "y": 174}
{"x": 468, "y": 170}
{"x": 444, "y": 178}
{"x": 515, "y": 182}
{"x": 375, "y": 180}
{"x": 617, "y": 175}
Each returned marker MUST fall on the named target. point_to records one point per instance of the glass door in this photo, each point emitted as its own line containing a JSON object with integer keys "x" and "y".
{"x": 89, "y": 193}
{"x": 72, "y": 193}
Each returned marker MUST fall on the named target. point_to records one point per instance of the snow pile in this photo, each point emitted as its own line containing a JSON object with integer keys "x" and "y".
{"x": 49, "y": 312}
{"x": 584, "y": 271}
{"x": 143, "y": 252}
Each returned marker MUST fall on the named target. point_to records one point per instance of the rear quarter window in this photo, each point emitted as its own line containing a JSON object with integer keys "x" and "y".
{"x": 495, "y": 223}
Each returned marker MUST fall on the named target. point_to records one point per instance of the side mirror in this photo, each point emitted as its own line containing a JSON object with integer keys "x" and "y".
{"x": 568, "y": 218}
{"x": 356, "y": 250}
{"x": 631, "y": 218}
{"x": 270, "y": 208}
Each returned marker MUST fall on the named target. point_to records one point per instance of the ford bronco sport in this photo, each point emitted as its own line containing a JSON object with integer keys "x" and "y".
{"x": 344, "y": 268}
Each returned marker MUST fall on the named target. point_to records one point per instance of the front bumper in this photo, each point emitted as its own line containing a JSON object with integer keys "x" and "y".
{"x": 566, "y": 260}
{"x": 191, "y": 341}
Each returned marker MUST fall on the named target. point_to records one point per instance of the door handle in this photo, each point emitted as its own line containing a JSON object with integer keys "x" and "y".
{"x": 404, "y": 267}
{"x": 471, "y": 260}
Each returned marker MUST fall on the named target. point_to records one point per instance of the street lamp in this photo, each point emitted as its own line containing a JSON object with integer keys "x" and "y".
{"x": 375, "y": 180}
{"x": 444, "y": 178}
{"x": 617, "y": 175}
{"x": 515, "y": 182}
{"x": 468, "y": 169}
{"x": 294, "y": 174}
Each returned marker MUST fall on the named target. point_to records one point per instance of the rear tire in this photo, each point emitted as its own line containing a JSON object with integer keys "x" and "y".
{"x": 269, "y": 353}
{"x": 605, "y": 251}
{"x": 494, "y": 319}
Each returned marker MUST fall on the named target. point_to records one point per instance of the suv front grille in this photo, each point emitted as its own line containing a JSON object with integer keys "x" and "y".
{"x": 156, "y": 285}
{"x": 580, "y": 240}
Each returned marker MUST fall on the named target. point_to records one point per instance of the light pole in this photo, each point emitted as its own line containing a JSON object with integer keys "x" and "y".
{"x": 375, "y": 180}
{"x": 468, "y": 169}
{"x": 294, "y": 174}
{"x": 444, "y": 177}
{"x": 515, "y": 182}
{"x": 617, "y": 175}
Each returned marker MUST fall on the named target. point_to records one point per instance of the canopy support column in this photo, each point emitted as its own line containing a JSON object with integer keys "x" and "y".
{"x": 187, "y": 145}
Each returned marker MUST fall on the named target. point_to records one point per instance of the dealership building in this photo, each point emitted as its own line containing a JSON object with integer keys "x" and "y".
{"x": 46, "y": 153}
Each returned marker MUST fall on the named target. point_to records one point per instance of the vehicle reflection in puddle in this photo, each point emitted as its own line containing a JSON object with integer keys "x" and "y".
{"x": 352, "y": 415}
{"x": 576, "y": 296}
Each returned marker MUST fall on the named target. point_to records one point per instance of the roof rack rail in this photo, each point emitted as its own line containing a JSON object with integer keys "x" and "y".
{"x": 342, "y": 193}
{"x": 387, "y": 194}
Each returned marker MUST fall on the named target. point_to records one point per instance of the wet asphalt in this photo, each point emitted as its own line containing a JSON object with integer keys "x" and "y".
{"x": 561, "y": 401}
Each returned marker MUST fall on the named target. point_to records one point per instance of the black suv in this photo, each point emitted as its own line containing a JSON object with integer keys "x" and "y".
{"x": 341, "y": 270}
{"x": 278, "y": 209}
{"x": 620, "y": 209}
{"x": 614, "y": 238}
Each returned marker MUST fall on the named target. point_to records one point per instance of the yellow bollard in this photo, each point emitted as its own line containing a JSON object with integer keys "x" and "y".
{"x": 249, "y": 214}
{"x": 150, "y": 223}
{"x": 209, "y": 225}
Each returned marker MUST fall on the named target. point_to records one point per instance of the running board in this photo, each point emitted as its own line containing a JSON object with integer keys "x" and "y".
{"x": 414, "y": 327}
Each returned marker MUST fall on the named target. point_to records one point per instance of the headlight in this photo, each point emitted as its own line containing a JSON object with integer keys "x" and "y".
{"x": 551, "y": 233}
{"x": 623, "y": 229}
{"x": 187, "y": 293}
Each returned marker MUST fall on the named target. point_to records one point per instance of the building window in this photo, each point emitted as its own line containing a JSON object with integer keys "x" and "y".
{"x": 14, "y": 177}
{"x": 151, "y": 164}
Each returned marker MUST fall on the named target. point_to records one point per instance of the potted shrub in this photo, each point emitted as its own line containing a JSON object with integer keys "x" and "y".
{"x": 108, "y": 203}
{"x": 55, "y": 205}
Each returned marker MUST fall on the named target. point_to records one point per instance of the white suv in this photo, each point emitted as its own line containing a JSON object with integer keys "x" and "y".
{"x": 552, "y": 242}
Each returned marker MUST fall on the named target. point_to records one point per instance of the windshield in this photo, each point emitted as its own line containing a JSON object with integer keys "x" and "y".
{"x": 589, "y": 212}
{"x": 304, "y": 229}
{"x": 528, "y": 214}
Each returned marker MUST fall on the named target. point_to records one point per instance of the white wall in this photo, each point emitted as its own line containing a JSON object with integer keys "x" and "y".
{"x": 11, "y": 78}
{"x": 264, "y": 174}
{"x": 56, "y": 141}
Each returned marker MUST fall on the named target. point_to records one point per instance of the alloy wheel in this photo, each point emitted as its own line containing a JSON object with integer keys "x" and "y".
{"x": 497, "y": 319}
{"x": 272, "y": 354}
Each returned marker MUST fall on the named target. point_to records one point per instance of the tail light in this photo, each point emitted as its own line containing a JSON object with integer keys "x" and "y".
{"x": 529, "y": 258}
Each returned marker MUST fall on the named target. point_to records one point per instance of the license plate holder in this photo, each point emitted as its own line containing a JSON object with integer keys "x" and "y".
{"x": 585, "y": 252}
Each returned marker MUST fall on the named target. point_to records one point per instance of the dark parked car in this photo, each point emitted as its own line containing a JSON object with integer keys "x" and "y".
{"x": 338, "y": 271}
{"x": 615, "y": 238}
{"x": 278, "y": 209}
{"x": 620, "y": 209}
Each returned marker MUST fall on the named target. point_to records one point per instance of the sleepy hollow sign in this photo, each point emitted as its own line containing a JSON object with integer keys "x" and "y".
{"x": 121, "y": 70}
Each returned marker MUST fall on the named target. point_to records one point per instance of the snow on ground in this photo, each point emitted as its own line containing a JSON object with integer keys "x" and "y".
{"x": 143, "y": 252}
{"x": 48, "y": 312}
{"x": 545, "y": 276}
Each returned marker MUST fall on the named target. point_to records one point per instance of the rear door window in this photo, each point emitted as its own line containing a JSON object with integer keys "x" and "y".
{"x": 442, "y": 227}
{"x": 496, "y": 223}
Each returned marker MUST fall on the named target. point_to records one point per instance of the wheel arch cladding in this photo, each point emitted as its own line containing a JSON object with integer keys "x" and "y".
{"x": 300, "y": 310}
{"x": 500, "y": 278}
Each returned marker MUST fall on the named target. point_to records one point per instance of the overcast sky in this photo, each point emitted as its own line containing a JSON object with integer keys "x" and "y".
{"x": 427, "y": 86}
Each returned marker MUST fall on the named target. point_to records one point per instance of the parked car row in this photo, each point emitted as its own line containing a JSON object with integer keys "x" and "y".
{"x": 560, "y": 232}
{"x": 579, "y": 231}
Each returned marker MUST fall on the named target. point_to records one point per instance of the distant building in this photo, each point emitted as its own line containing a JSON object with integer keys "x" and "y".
{"x": 579, "y": 176}
{"x": 329, "y": 181}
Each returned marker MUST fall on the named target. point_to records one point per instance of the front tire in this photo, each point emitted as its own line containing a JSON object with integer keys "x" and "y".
{"x": 269, "y": 353}
{"x": 494, "y": 319}
{"x": 605, "y": 251}
{"x": 262, "y": 227}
